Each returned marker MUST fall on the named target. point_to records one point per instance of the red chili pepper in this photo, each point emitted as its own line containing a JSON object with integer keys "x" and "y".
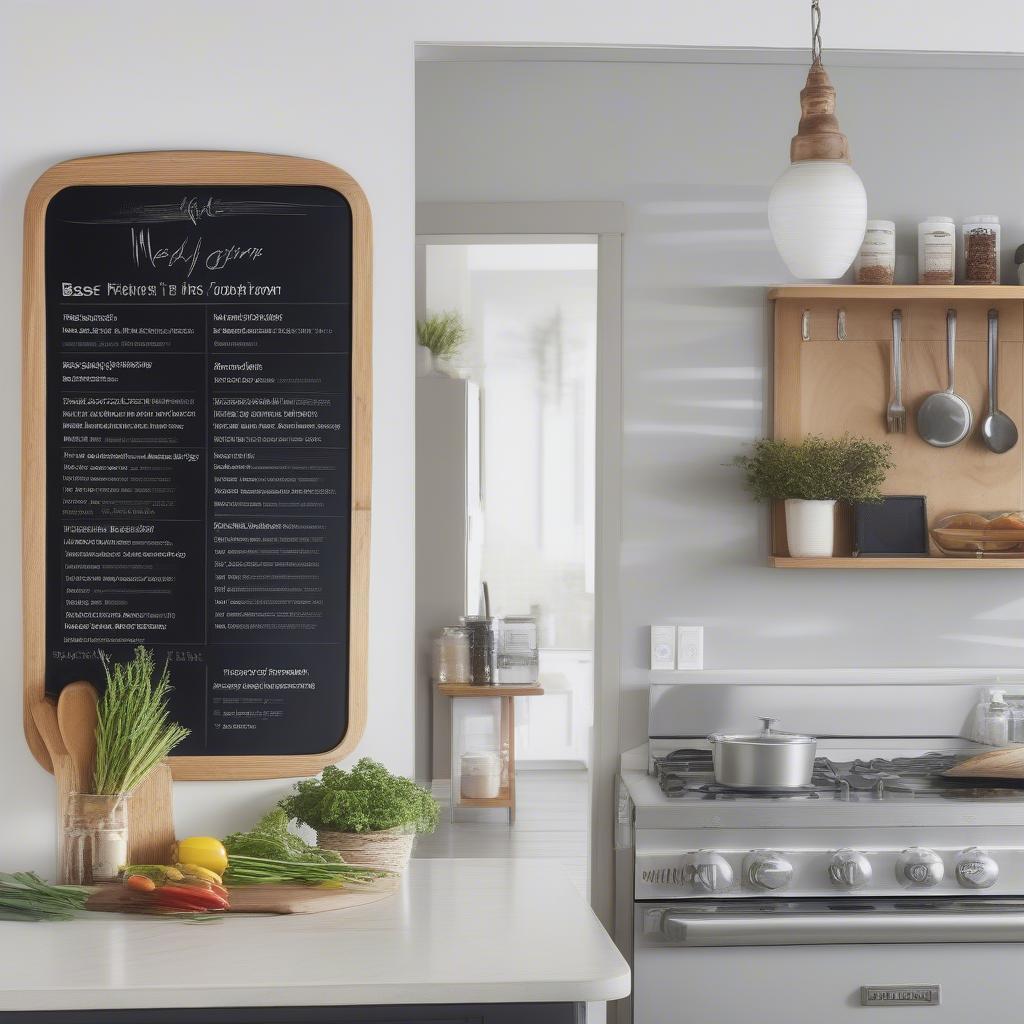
{"x": 178, "y": 903}
{"x": 204, "y": 897}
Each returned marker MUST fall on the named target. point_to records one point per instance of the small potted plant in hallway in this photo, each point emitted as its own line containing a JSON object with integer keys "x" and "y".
{"x": 367, "y": 815}
{"x": 811, "y": 476}
{"x": 439, "y": 339}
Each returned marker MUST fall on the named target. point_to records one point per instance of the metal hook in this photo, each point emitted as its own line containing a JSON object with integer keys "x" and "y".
{"x": 805, "y": 325}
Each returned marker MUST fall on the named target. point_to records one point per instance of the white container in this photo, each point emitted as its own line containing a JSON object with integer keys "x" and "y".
{"x": 981, "y": 237}
{"x": 480, "y": 774}
{"x": 936, "y": 251}
{"x": 876, "y": 259}
{"x": 810, "y": 527}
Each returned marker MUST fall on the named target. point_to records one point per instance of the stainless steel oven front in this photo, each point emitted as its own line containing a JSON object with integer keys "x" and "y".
{"x": 809, "y": 961}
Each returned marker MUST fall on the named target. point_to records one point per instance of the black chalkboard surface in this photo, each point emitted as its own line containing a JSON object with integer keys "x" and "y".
{"x": 198, "y": 419}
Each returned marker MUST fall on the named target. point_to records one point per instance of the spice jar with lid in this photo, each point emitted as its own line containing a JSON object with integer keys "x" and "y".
{"x": 876, "y": 260}
{"x": 936, "y": 251}
{"x": 981, "y": 249}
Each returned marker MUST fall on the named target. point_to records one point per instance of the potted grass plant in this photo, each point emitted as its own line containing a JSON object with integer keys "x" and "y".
{"x": 440, "y": 338}
{"x": 366, "y": 814}
{"x": 811, "y": 476}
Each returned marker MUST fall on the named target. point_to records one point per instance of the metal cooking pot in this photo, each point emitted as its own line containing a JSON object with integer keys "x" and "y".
{"x": 765, "y": 760}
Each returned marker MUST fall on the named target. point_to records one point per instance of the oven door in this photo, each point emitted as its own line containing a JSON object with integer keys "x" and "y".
{"x": 808, "y": 961}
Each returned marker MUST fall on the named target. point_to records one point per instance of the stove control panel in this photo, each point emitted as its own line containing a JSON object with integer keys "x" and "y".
{"x": 726, "y": 872}
{"x": 849, "y": 869}
{"x": 766, "y": 870}
{"x": 919, "y": 868}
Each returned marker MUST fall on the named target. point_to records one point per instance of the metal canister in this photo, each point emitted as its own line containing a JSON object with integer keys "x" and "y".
{"x": 483, "y": 649}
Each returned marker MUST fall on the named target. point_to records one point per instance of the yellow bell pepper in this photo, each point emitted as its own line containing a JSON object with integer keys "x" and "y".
{"x": 205, "y": 851}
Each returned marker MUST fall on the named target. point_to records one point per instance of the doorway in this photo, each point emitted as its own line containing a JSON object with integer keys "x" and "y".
{"x": 519, "y": 405}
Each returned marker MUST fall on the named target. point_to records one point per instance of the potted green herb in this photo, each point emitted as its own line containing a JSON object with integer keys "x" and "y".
{"x": 810, "y": 477}
{"x": 368, "y": 815}
{"x": 440, "y": 338}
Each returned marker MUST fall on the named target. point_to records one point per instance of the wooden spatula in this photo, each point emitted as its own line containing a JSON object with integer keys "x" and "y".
{"x": 76, "y": 718}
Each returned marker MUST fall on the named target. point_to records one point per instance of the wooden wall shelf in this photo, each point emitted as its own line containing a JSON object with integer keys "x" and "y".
{"x": 831, "y": 376}
{"x": 781, "y": 562}
{"x": 901, "y": 292}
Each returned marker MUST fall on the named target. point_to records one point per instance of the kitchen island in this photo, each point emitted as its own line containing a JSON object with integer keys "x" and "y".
{"x": 500, "y": 940}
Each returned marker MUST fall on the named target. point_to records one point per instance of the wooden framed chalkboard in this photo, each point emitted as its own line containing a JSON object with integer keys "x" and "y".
{"x": 196, "y": 446}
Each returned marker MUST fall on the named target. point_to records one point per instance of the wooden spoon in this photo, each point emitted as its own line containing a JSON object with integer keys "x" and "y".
{"x": 76, "y": 718}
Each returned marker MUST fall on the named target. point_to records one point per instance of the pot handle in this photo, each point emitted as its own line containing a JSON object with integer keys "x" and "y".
{"x": 769, "y": 724}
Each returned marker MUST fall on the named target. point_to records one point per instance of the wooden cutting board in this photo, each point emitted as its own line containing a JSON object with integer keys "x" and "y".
{"x": 1004, "y": 763}
{"x": 264, "y": 899}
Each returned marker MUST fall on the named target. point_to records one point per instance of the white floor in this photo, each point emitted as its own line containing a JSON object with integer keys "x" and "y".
{"x": 552, "y": 823}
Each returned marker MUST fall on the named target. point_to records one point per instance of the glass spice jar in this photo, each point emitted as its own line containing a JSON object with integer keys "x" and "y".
{"x": 981, "y": 249}
{"x": 936, "y": 251}
{"x": 876, "y": 260}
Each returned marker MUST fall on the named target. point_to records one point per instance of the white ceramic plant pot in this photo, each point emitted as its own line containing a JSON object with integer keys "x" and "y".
{"x": 810, "y": 527}
{"x": 424, "y": 361}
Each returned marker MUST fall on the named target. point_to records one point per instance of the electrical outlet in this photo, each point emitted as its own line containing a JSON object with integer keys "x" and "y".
{"x": 690, "y": 647}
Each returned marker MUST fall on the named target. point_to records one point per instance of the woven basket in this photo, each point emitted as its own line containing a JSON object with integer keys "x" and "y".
{"x": 389, "y": 850}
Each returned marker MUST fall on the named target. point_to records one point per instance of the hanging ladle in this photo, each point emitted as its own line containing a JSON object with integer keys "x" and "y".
{"x": 944, "y": 418}
{"x": 997, "y": 429}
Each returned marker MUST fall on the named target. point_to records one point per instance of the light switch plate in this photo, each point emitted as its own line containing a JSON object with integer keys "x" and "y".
{"x": 690, "y": 647}
{"x": 663, "y": 647}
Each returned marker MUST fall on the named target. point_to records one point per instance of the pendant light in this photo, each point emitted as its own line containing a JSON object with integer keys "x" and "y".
{"x": 818, "y": 210}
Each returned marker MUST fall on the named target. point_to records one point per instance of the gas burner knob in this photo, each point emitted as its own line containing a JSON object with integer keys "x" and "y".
{"x": 919, "y": 868}
{"x": 710, "y": 872}
{"x": 766, "y": 869}
{"x": 849, "y": 869}
{"x": 976, "y": 869}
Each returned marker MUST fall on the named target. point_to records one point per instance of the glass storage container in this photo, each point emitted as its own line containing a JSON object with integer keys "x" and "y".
{"x": 981, "y": 249}
{"x": 936, "y": 251}
{"x": 876, "y": 260}
{"x": 451, "y": 657}
{"x": 94, "y": 844}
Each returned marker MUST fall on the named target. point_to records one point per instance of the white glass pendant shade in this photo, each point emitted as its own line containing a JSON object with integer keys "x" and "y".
{"x": 817, "y": 212}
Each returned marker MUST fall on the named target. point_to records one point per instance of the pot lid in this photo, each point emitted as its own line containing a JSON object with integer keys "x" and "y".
{"x": 768, "y": 736}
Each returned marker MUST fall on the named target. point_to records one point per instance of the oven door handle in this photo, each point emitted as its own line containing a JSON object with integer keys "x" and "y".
{"x": 795, "y": 929}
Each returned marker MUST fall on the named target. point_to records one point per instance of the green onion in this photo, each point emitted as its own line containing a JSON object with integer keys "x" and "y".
{"x": 24, "y": 896}
{"x": 133, "y": 733}
{"x": 243, "y": 870}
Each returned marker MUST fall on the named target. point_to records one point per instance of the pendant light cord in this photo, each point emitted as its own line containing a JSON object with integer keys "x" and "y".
{"x": 815, "y": 32}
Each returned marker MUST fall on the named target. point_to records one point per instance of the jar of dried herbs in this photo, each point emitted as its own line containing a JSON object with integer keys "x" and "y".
{"x": 876, "y": 259}
{"x": 981, "y": 249}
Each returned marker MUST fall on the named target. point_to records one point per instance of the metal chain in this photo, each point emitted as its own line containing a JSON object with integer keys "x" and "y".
{"x": 815, "y": 32}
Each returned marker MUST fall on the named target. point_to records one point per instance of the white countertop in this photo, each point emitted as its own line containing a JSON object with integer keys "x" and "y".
{"x": 458, "y": 931}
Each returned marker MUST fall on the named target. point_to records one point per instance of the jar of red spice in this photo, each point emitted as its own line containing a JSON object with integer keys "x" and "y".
{"x": 981, "y": 249}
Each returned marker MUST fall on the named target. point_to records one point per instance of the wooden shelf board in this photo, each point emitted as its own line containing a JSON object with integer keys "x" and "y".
{"x": 899, "y": 292}
{"x": 778, "y": 562}
{"x": 503, "y": 799}
{"x": 491, "y": 691}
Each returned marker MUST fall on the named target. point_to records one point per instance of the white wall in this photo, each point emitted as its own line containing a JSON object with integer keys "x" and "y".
{"x": 331, "y": 79}
{"x": 692, "y": 150}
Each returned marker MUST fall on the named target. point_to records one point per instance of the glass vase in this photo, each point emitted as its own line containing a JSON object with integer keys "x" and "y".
{"x": 94, "y": 844}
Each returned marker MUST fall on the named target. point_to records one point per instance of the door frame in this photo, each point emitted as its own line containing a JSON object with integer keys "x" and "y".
{"x": 439, "y": 223}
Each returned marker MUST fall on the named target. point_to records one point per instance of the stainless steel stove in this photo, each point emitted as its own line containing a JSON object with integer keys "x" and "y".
{"x": 882, "y": 883}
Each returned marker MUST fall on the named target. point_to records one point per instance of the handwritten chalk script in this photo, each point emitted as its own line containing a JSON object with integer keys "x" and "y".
{"x": 187, "y": 252}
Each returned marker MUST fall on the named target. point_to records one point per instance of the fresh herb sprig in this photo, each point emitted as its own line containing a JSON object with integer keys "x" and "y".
{"x": 133, "y": 731}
